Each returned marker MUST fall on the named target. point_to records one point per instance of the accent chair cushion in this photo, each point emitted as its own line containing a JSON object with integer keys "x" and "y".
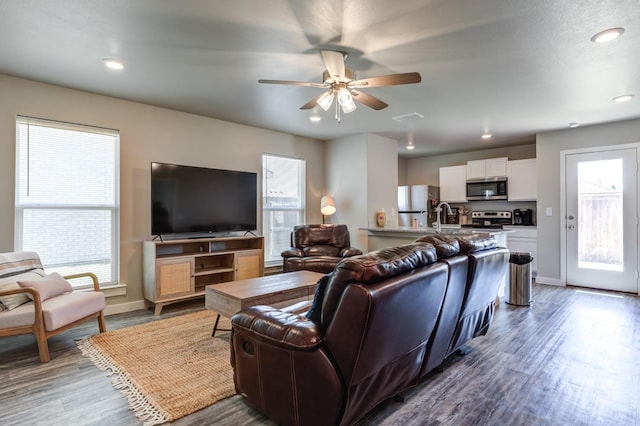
{"x": 47, "y": 287}
{"x": 11, "y": 283}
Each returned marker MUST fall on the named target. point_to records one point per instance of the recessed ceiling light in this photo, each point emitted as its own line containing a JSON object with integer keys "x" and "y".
{"x": 607, "y": 35}
{"x": 315, "y": 118}
{"x": 487, "y": 136}
{"x": 623, "y": 98}
{"x": 574, "y": 124}
{"x": 114, "y": 64}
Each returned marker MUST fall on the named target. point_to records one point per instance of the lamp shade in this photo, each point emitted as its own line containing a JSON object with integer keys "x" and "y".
{"x": 327, "y": 206}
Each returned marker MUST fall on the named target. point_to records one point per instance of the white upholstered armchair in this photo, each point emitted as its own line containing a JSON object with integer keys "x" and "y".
{"x": 45, "y": 305}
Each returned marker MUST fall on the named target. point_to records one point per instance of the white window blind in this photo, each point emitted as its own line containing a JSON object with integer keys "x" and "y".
{"x": 283, "y": 201}
{"x": 67, "y": 198}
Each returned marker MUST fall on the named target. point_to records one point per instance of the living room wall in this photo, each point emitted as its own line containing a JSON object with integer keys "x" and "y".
{"x": 362, "y": 176}
{"x": 147, "y": 133}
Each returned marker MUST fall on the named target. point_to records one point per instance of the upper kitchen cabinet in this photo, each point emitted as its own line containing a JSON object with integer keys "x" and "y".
{"x": 522, "y": 180}
{"x": 453, "y": 184}
{"x": 491, "y": 167}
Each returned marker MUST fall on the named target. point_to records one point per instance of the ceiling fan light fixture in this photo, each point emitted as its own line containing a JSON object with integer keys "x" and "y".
{"x": 326, "y": 100}
{"x": 346, "y": 101}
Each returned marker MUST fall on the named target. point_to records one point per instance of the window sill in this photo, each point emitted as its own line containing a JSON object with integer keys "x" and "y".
{"x": 112, "y": 290}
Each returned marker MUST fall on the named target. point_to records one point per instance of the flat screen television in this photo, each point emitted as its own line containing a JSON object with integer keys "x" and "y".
{"x": 186, "y": 199}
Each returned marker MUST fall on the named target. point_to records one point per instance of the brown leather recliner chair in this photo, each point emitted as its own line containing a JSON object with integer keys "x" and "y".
{"x": 317, "y": 248}
{"x": 377, "y": 316}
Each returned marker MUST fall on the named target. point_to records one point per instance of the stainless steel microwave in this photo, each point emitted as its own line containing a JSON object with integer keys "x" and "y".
{"x": 487, "y": 189}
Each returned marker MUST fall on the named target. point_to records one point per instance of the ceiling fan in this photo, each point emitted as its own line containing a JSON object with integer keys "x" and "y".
{"x": 340, "y": 82}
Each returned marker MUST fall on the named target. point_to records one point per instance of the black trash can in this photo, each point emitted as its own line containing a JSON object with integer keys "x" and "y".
{"x": 519, "y": 279}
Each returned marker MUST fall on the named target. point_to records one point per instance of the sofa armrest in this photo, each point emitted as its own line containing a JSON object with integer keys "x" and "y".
{"x": 279, "y": 328}
{"x": 292, "y": 252}
{"x": 350, "y": 251}
{"x": 94, "y": 278}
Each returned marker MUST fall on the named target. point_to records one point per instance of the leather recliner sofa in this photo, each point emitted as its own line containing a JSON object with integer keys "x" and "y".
{"x": 317, "y": 248}
{"x": 378, "y": 324}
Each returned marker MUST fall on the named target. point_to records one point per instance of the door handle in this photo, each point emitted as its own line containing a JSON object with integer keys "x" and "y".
{"x": 570, "y": 218}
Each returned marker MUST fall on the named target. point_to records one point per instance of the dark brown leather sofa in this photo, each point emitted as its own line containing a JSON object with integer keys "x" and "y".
{"x": 384, "y": 320}
{"x": 317, "y": 248}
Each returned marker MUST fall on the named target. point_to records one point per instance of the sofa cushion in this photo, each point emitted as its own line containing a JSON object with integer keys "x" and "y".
{"x": 47, "y": 287}
{"x": 321, "y": 250}
{"x": 11, "y": 283}
{"x": 445, "y": 246}
{"x": 374, "y": 267}
{"x": 476, "y": 243}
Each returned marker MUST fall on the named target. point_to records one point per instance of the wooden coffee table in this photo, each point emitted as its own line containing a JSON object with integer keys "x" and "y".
{"x": 274, "y": 290}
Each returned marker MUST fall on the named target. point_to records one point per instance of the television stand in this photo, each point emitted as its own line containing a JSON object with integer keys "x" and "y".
{"x": 178, "y": 270}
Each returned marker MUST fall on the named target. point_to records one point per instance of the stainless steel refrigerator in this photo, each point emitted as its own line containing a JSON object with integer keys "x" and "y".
{"x": 417, "y": 202}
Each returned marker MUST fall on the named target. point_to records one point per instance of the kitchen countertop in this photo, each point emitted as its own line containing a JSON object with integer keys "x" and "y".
{"x": 445, "y": 229}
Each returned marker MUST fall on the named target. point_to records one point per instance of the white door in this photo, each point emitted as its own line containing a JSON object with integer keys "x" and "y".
{"x": 601, "y": 220}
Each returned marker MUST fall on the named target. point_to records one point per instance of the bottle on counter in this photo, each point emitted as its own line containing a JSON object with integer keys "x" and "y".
{"x": 414, "y": 225}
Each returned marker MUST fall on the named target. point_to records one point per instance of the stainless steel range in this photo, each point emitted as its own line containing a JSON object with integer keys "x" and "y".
{"x": 490, "y": 219}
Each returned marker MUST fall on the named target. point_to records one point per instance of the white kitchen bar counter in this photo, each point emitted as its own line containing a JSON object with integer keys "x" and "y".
{"x": 379, "y": 238}
{"x": 388, "y": 237}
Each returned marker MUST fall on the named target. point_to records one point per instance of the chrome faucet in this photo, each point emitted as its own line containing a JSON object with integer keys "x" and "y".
{"x": 438, "y": 210}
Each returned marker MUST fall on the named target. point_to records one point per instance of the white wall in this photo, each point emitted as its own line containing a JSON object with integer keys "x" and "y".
{"x": 548, "y": 147}
{"x": 362, "y": 176}
{"x": 147, "y": 134}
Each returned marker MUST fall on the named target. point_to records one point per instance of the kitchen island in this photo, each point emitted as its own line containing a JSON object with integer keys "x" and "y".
{"x": 378, "y": 238}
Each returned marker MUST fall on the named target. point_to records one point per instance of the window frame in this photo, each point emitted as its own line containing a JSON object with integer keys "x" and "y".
{"x": 267, "y": 210}
{"x": 114, "y": 209}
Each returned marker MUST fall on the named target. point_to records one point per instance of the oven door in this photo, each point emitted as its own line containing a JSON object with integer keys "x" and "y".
{"x": 487, "y": 189}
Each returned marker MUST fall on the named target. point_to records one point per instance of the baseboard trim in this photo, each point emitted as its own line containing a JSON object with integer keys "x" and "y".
{"x": 121, "y": 308}
{"x": 550, "y": 281}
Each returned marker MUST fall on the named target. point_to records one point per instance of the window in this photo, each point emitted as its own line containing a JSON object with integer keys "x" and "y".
{"x": 283, "y": 183}
{"x": 67, "y": 200}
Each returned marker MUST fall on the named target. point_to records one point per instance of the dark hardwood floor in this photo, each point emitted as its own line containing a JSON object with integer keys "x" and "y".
{"x": 572, "y": 358}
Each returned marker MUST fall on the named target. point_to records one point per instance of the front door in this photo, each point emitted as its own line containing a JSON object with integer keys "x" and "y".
{"x": 601, "y": 220}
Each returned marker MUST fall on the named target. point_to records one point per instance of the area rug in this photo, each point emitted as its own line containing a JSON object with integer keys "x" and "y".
{"x": 167, "y": 368}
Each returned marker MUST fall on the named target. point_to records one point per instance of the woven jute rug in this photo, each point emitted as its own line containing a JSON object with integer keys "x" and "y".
{"x": 167, "y": 368}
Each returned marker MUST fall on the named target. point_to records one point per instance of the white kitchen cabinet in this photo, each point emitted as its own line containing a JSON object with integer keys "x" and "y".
{"x": 491, "y": 167}
{"x": 453, "y": 184}
{"x": 522, "y": 180}
{"x": 524, "y": 239}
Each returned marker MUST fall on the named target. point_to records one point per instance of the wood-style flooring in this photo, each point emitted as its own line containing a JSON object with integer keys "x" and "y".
{"x": 572, "y": 358}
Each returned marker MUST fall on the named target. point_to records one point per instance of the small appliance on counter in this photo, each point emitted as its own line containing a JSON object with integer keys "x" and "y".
{"x": 523, "y": 217}
{"x": 489, "y": 219}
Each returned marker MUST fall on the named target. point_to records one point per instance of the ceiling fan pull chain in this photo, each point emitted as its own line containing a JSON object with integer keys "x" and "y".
{"x": 338, "y": 112}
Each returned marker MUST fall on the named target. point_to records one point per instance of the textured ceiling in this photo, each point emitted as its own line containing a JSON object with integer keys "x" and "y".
{"x": 513, "y": 68}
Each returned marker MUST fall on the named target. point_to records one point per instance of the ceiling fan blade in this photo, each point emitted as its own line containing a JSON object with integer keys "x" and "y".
{"x": 387, "y": 80}
{"x": 312, "y": 103}
{"x": 368, "y": 100}
{"x": 294, "y": 83}
{"x": 334, "y": 63}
